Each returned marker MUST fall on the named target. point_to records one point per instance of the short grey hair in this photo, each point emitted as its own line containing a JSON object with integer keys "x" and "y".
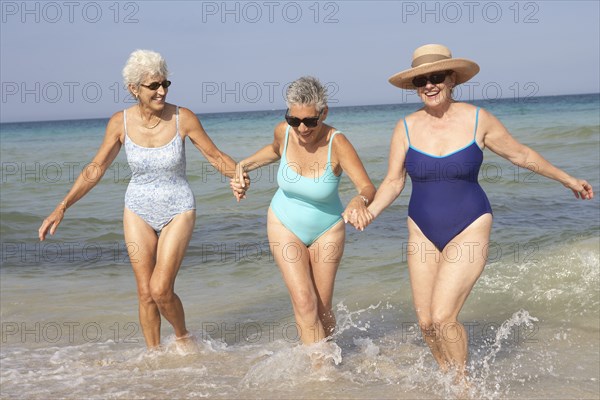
{"x": 307, "y": 90}
{"x": 142, "y": 63}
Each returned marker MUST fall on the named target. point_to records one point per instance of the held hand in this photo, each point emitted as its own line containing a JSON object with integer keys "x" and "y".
{"x": 239, "y": 173}
{"x": 238, "y": 191}
{"x": 240, "y": 183}
{"x": 51, "y": 222}
{"x": 357, "y": 214}
{"x": 350, "y": 215}
{"x": 581, "y": 189}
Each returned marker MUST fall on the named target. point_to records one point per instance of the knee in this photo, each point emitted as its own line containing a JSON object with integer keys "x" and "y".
{"x": 449, "y": 330}
{"x": 144, "y": 296}
{"x": 160, "y": 293}
{"x": 442, "y": 321}
{"x": 305, "y": 303}
{"x": 441, "y": 317}
{"x": 427, "y": 328}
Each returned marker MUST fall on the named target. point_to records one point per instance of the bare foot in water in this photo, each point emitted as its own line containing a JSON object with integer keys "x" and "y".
{"x": 186, "y": 344}
{"x": 155, "y": 350}
{"x": 464, "y": 388}
{"x": 324, "y": 354}
{"x": 318, "y": 361}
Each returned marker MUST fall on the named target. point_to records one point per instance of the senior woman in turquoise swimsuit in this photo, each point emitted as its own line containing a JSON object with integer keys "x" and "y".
{"x": 441, "y": 147}
{"x": 160, "y": 209}
{"x": 304, "y": 222}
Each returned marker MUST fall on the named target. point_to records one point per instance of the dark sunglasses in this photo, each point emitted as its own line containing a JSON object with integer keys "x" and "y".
{"x": 308, "y": 122}
{"x": 156, "y": 85}
{"x": 434, "y": 78}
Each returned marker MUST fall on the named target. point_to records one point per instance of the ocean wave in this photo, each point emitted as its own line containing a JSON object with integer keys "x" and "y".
{"x": 559, "y": 282}
{"x": 569, "y": 133}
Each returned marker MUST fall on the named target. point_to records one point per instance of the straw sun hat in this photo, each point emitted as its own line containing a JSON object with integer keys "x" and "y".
{"x": 434, "y": 58}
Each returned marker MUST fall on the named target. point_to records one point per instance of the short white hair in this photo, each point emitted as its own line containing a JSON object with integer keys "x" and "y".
{"x": 307, "y": 90}
{"x": 143, "y": 63}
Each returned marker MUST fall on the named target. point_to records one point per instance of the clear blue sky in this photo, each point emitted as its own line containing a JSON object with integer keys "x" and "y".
{"x": 63, "y": 59}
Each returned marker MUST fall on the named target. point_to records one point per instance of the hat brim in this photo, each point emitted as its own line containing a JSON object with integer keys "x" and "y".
{"x": 464, "y": 69}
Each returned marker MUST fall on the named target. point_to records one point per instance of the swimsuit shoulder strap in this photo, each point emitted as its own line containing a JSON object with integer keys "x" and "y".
{"x": 330, "y": 145}
{"x": 476, "y": 122}
{"x": 125, "y": 121}
{"x": 177, "y": 118}
{"x": 406, "y": 129}
{"x": 287, "y": 133}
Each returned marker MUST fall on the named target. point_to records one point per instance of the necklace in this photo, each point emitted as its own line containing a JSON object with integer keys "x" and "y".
{"x": 156, "y": 124}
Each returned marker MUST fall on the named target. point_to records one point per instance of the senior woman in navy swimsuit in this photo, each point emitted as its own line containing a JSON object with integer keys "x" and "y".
{"x": 441, "y": 147}
{"x": 160, "y": 209}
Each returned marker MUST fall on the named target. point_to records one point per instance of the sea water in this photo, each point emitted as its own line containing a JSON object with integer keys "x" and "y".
{"x": 69, "y": 305}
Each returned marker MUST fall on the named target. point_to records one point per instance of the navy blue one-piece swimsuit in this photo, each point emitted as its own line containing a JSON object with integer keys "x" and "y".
{"x": 446, "y": 196}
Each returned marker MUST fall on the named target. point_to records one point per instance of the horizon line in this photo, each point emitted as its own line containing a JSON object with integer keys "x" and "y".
{"x": 280, "y": 109}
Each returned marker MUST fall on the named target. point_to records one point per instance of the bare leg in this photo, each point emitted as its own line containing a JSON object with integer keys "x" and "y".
{"x": 464, "y": 260}
{"x": 423, "y": 259}
{"x": 293, "y": 259}
{"x": 155, "y": 263}
{"x": 172, "y": 245}
{"x": 141, "y": 241}
{"x": 441, "y": 283}
{"x": 326, "y": 254}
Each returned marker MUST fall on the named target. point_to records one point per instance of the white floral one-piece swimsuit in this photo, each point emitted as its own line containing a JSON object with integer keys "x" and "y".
{"x": 158, "y": 189}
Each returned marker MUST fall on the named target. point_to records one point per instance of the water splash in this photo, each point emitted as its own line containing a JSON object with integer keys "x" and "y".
{"x": 288, "y": 367}
{"x": 484, "y": 369}
{"x": 346, "y": 318}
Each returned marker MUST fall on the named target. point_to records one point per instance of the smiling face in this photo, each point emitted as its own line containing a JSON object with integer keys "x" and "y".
{"x": 437, "y": 94}
{"x": 155, "y": 99}
{"x": 307, "y": 134}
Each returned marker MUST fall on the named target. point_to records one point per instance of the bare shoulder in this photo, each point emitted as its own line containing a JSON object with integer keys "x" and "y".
{"x": 279, "y": 134}
{"x": 487, "y": 120}
{"x": 186, "y": 112}
{"x": 341, "y": 148}
{"x": 117, "y": 118}
{"x": 399, "y": 141}
{"x": 115, "y": 128}
{"x": 339, "y": 140}
{"x": 186, "y": 116}
{"x": 401, "y": 124}
{"x": 280, "y": 128}
{"x": 409, "y": 119}
{"x": 485, "y": 114}
{"x": 406, "y": 121}
{"x": 188, "y": 121}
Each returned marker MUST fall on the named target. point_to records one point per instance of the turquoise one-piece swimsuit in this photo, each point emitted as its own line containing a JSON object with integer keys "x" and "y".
{"x": 308, "y": 207}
